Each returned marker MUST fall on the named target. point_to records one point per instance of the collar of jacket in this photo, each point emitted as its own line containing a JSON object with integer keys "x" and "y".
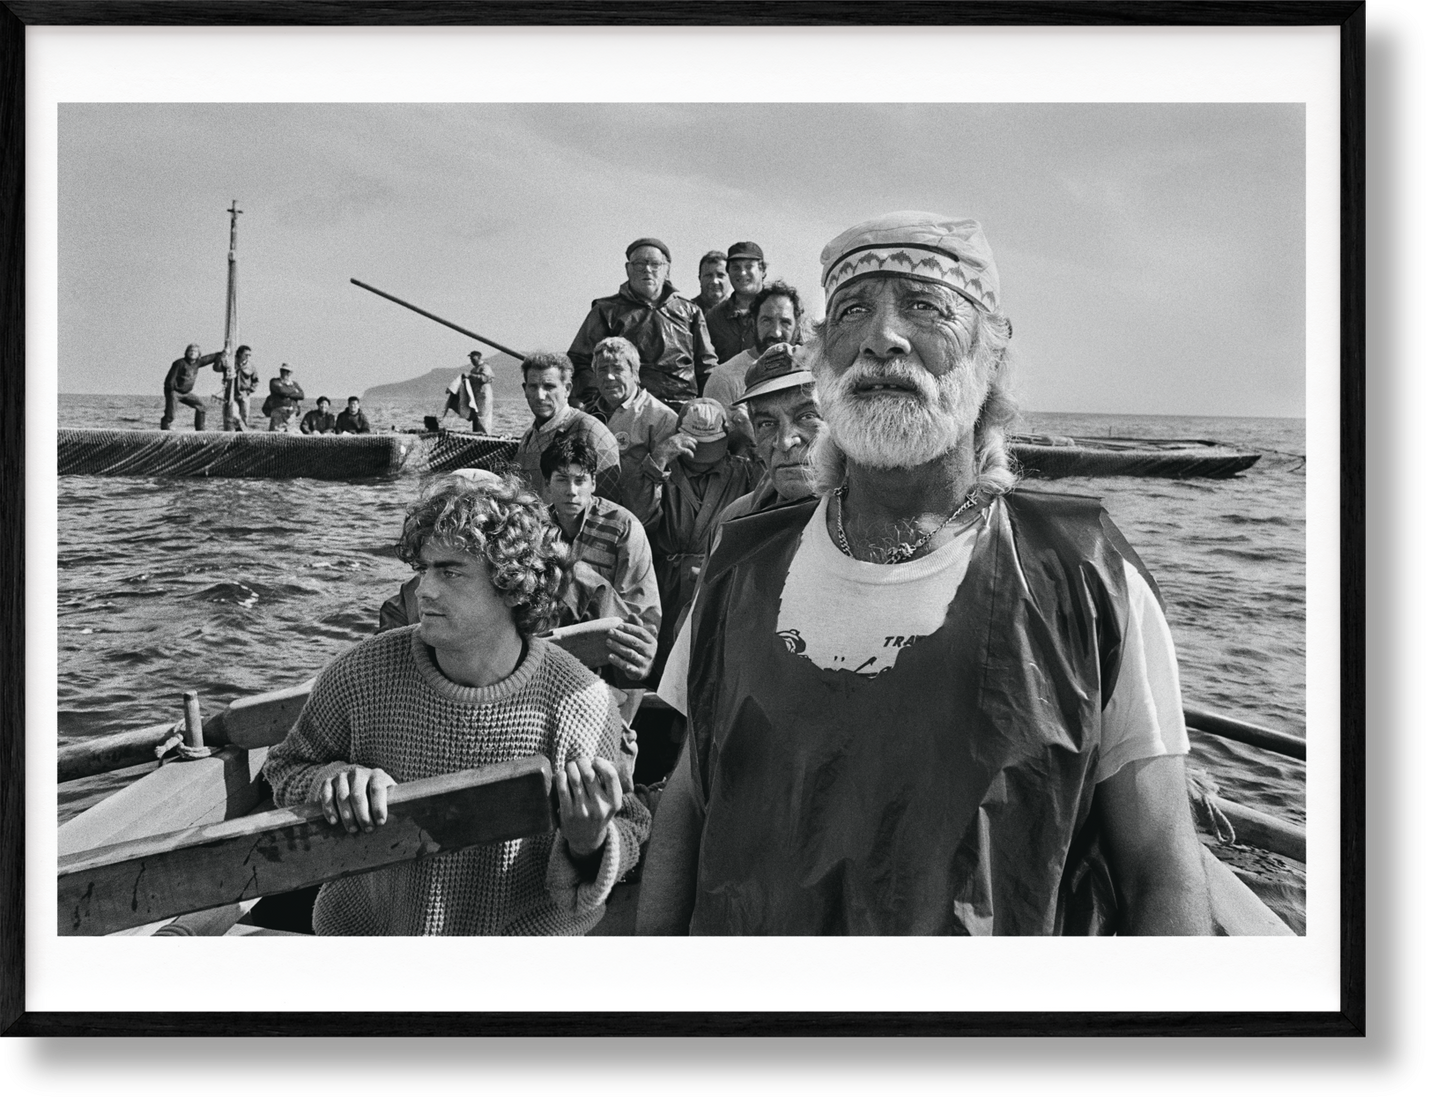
{"x": 668, "y": 293}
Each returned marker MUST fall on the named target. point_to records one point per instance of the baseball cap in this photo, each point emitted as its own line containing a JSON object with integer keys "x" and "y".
{"x": 745, "y": 249}
{"x": 704, "y": 419}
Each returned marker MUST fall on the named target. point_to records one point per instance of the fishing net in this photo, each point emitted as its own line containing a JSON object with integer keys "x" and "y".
{"x": 1054, "y": 461}
{"x": 252, "y": 454}
{"x": 446, "y": 450}
{"x": 110, "y": 452}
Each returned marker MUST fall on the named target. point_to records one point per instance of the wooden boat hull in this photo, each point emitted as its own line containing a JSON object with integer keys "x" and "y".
{"x": 198, "y": 804}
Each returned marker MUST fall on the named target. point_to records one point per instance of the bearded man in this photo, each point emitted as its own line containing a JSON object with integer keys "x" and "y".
{"x": 775, "y": 317}
{"x": 928, "y": 703}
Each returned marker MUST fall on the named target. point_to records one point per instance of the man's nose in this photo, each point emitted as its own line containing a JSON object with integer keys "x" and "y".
{"x": 887, "y": 334}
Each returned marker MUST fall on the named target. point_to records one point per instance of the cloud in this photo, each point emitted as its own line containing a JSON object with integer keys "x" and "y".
{"x": 328, "y": 209}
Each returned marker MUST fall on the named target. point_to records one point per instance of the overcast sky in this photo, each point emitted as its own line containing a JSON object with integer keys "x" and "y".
{"x": 1151, "y": 256}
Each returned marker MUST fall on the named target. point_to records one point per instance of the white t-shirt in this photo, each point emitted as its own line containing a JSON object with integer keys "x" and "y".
{"x": 845, "y": 614}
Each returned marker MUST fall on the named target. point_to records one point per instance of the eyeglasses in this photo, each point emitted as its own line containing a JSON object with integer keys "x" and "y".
{"x": 645, "y": 265}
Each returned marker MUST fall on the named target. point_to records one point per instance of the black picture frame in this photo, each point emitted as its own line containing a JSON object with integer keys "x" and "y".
{"x": 961, "y": 1055}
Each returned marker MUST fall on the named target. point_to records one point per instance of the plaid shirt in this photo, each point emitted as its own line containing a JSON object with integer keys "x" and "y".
{"x": 613, "y": 542}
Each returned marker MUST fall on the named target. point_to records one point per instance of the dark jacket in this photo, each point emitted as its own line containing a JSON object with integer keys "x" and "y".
{"x": 182, "y": 375}
{"x": 731, "y": 329}
{"x": 671, "y": 338}
{"x": 347, "y": 422}
{"x": 317, "y": 422}
{"x": 283, "y": 394}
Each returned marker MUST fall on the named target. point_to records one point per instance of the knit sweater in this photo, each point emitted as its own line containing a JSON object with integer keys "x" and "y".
{"x": 386, "y": 704}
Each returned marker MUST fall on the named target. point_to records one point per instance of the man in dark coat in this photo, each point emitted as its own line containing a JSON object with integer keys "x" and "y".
{"x": 667, "y": 330}
{"x": 352, "y": 420}
{"x": 321, "y": 419}
{"x": 180, "y": 384}
{"x": 284, "y": 400}
{"x": 728, "y": 322}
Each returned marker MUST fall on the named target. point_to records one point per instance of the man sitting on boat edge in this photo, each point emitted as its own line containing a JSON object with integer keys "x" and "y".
{"x": 283, "y": 401}
{"x": 927, "y": 704}
{"x": 352, "y": 419}
{"x": 319, "y": 420}
{"x": 470, "y": 685}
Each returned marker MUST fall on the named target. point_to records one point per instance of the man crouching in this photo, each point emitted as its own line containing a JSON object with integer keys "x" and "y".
{"x": 468, "y": 686}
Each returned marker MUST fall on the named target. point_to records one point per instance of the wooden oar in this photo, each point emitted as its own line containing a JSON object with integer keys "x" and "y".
{"x": 440, "y": 320}
{"x": 1225, "y": 727}
{"x": 122, "y": 885}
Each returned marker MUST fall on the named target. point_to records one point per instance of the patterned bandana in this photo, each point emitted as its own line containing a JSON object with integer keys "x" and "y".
{"x": 945, "y": 250}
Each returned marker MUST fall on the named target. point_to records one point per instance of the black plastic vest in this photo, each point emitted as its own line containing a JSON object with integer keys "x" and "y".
{"x": 950, "y": 794}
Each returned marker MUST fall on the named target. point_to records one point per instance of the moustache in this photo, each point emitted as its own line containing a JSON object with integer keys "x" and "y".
{"x": 901, "y": 373}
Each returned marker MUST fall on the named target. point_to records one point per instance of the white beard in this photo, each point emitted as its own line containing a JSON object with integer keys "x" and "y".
{"x": 898, "y": 431}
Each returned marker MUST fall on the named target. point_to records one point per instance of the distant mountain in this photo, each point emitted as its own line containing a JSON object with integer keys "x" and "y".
{"x": 506, "y": 382}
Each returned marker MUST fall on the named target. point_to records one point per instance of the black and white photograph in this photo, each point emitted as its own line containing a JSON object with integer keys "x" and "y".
{"x": 597, "y": 515}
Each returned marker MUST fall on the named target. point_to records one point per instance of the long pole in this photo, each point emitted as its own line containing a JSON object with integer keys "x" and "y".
{"x": 233, "y": 316}
{"x": 230, "y": 383}
{"x": 440, "y": 320}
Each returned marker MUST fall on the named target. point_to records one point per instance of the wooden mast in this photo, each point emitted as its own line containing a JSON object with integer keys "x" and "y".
{"x": 233, "y": 321}
{"x": 230, "y": 383}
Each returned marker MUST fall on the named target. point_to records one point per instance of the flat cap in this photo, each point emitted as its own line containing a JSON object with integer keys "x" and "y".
{"x": 946, "y": 250}
{"x": 777, "y": 369}
{"x": 648, "y": 242}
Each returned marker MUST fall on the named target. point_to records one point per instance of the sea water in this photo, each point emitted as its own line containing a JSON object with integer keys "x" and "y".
{"x": 236, "y": 587}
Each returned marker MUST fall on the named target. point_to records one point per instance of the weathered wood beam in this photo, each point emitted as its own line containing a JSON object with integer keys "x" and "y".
{"x": 1259, "y": 829}
{"x": 177, "y": 795}
{"x": 1235, "y": 908}
{"x": 121, "y": 885}
{"x": 587, "y": 642}
{"x": 258, "y": 721}
{"x": 249, "y": 723}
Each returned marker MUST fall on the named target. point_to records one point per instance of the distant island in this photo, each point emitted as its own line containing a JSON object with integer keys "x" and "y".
{"x": 432, "y": 387}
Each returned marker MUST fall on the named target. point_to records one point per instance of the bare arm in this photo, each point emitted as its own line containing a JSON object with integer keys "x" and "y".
{"x": 1153, "y": 849}
{"x": 669, "y": 879}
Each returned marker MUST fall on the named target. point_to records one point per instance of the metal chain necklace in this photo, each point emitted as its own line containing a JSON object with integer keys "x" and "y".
{"x": 899, "y": 551}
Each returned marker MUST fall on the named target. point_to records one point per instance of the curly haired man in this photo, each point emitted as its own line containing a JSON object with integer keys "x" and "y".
{"x": 468, "y": 686}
